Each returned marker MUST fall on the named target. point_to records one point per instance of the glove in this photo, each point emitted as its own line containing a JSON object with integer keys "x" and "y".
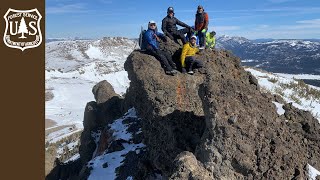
{"x": 203, "y": 30}
{"x": 195, "y": 33}
{"x": 183, "y": 70}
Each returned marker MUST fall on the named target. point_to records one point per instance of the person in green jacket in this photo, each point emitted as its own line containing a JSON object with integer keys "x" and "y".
{"x": 210, "y": 39}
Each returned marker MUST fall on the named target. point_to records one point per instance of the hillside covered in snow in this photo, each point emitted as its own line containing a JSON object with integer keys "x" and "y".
{"x": 280, "y": 56}
{"x": 72, "y": 68}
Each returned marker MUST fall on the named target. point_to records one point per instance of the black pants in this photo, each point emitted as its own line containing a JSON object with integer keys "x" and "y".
{"x": 193, "y": 63}
{"x": 202, "y": 38}
{"x": 165, "y": 59}
{"x": 180, "y": 34}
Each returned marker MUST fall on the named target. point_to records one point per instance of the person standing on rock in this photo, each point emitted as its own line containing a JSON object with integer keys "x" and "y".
{"x": 188, "y": 56}
{"x": 152, "y": 36}
{"x": 201, "y": 26}
{"x": 170, "y": 29}
{"x": 210, "y": 39}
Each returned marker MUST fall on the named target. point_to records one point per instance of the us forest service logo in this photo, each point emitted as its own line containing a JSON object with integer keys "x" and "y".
{"x": 22, "y": 29}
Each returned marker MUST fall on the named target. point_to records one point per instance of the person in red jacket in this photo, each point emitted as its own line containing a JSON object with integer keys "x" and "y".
{"x": 201, "y": 26}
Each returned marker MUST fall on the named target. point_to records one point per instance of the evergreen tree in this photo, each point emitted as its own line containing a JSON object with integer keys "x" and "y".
{"x": 23, "y": 28}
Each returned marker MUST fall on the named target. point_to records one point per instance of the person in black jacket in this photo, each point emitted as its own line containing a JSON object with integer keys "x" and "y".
{"x": 169, "y": 27}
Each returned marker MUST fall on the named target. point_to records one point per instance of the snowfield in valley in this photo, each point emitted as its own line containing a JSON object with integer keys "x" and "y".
{"x": 72, "y": 69}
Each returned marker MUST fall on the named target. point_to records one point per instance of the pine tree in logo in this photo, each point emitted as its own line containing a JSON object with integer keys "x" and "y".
{"x": 23, "y": 28}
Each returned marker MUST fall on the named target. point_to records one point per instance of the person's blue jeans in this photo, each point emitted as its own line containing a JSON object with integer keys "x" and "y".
{"x": 202, "y": 38}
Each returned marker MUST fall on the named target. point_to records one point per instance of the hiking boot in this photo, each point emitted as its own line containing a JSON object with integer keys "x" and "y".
{"x": 169, "y": 73}
{"x": 174, "y": 67}
{"x": 174, "y": 71}
{"x": 202, "y": 47}
{"x": 190, "y": 72}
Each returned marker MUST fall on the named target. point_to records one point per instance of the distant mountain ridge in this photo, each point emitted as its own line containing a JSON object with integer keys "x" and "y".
{"x": 285, "y": 56}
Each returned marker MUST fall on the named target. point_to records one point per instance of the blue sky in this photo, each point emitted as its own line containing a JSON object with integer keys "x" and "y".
{"x": 280, "y": 19}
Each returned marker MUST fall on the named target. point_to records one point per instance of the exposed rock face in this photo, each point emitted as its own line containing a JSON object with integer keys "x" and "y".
{"x": 65, "y": 171}
{"x": 103, "y": 91}
{"x": 215, "y": 124}
{"x": 221, "y": 117}
{"x": 97, "y": 115}
{"x": 171, "y": 108}
{"x": 260, "y": 144}
{"x": 188, "y": 167}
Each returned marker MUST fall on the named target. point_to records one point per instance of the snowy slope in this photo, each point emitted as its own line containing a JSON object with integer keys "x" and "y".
{"x": 277, "y": 84}
{"x": 302, "y": 96}
{"x": 72, "y": 69}
{"x": 280, "y": 56}
{"x": 104, "y": 166}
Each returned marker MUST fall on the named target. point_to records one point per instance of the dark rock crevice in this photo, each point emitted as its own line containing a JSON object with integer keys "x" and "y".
{"x": 170, "y": 135}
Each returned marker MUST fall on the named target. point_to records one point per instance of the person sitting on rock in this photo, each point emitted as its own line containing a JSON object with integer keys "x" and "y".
{"x": 152, "y": 36}
{"x": 188, "y": 56}
{"x": 201, "y": 26}
{"x": 210, "y": 40}
{"x": 170, "y": 29}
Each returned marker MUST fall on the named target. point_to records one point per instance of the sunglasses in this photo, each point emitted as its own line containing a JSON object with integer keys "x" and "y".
{"x": 152, "y": 24}
{"x": 199, "y": 8}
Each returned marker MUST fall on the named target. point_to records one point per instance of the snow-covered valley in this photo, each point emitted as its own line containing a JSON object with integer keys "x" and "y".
{"x": 72, "y": 69}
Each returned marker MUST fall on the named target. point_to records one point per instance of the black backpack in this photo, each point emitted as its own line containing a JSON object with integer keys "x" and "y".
{"x": 142, "y": 42}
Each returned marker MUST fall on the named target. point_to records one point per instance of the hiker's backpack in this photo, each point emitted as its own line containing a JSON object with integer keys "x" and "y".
{"x": 142, "y": 42}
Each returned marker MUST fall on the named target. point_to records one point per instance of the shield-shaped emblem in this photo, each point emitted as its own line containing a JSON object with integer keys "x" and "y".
{"x": 22, "y": 29}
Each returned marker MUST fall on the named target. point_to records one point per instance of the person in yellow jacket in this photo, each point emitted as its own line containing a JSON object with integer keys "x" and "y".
{"x": 210, "y": 40}
{"x": 188, "y": 56}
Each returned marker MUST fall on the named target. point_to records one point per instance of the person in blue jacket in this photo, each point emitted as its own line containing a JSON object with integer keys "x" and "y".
{"x": 152, "y": 37}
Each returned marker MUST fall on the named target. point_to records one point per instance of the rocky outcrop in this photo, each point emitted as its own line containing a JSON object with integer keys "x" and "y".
{"x": 103, "y": 91}
{"x": 188, "y": 167}
{"x": 97, "y": 115}
{"x": 215, "y": 124}
{"x": 245, "y": 137}
{"x": 220, "y": 116}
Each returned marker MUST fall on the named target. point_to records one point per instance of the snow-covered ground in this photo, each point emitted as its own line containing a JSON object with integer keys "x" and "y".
{"x": 104, "y": 166}
{"x": 72, "y": 69}
{"x": 312, "y": 172}
{"x": 276, "y": 84}
{"x": 299, "y": 76}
